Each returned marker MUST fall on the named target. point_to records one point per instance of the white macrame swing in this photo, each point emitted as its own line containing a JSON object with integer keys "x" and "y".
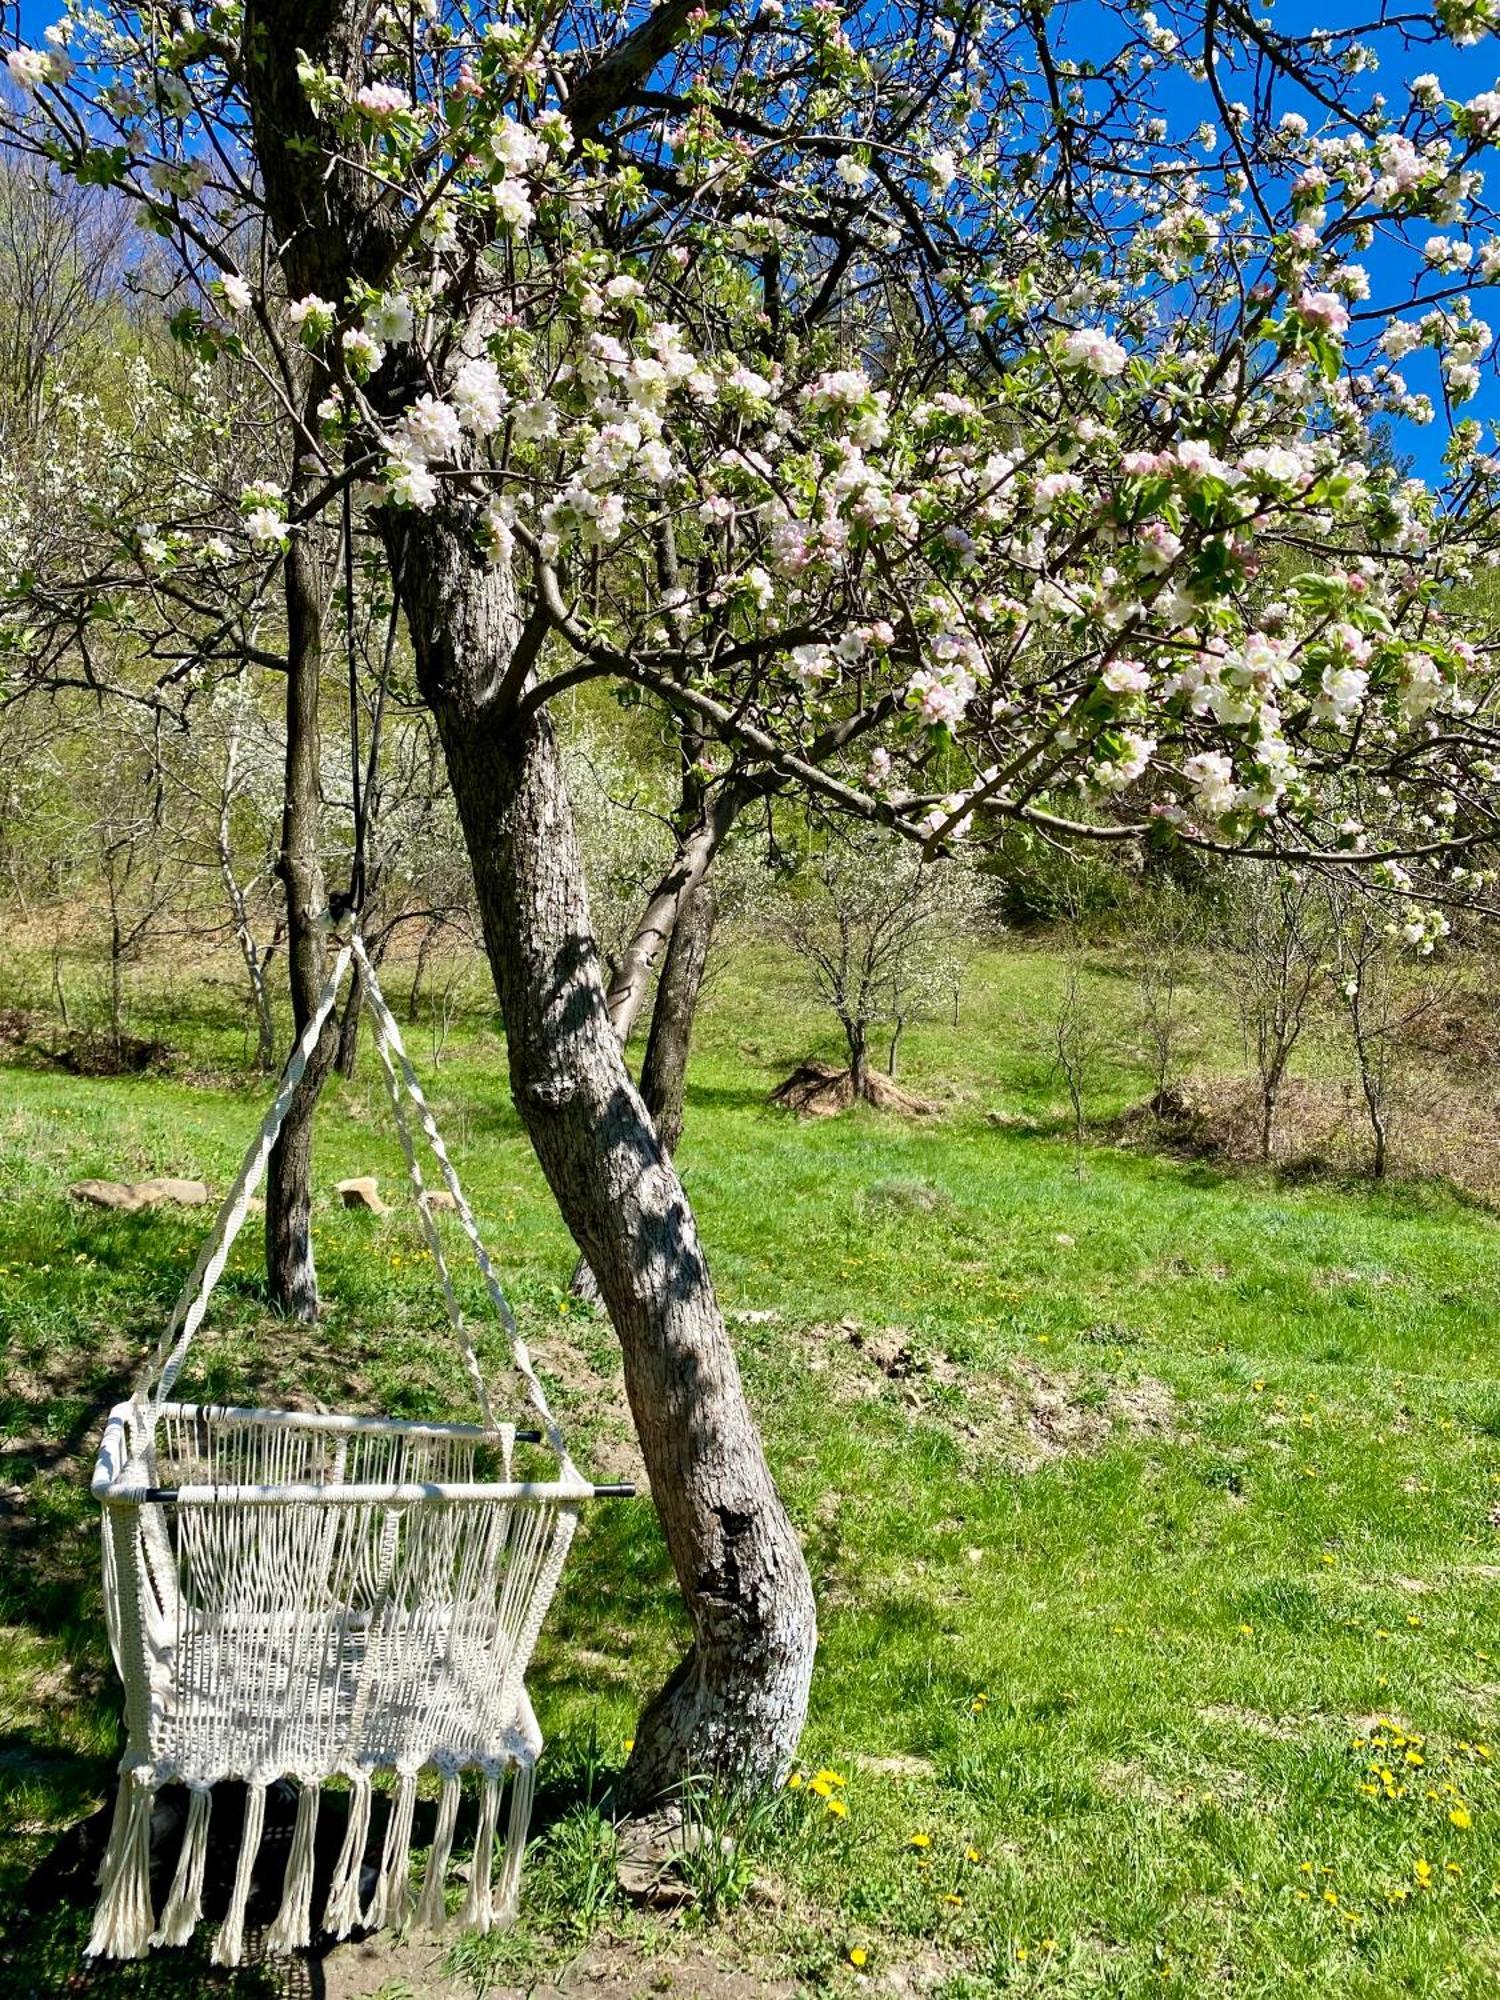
{"x": 297, "y": 1595}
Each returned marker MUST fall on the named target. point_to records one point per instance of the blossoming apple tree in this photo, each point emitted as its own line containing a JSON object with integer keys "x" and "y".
{"x": 960, "y": 415}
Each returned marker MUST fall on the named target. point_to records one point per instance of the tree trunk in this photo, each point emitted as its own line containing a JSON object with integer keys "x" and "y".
{"x": 291, "y": 1275}
{"x": 664, "y": 1072}
{"x": 347, "y": 1057}
{"x": 897, "y": 1031}
{"x": 859, "y": 1057}
{"x": 736, "y": 1704}
{"x": 424, "y": 948}
{"x": 696, "y": 848}
{"x": 116, "y": 991}
{"x": 1269, "y": 1094}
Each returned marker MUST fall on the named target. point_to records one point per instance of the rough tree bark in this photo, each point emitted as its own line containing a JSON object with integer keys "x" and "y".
{"x": 664, "y": 1070}
{"x": 291, "y": 1275}
{"x": 738, "y": 1701}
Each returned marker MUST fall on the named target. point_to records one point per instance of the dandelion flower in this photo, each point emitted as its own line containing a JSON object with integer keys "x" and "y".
{"x": 920, "y": 1840}
{"x": 858, "y": 1955}
{"x": 838, "y": 1808}
{"x": 1462, "y": 1818}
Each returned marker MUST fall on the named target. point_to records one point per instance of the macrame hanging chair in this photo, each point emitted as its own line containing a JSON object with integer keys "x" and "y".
{"x": 294, "y": 1595}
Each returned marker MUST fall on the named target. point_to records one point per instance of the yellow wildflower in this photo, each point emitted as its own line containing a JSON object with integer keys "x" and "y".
{"x": 858, "y": 1955}
{"x": 920, "y": 1840}
{"x": 838, "y": 1808}
{"x": 1462, "y": 1818}
{"x": 794, "y": 1782}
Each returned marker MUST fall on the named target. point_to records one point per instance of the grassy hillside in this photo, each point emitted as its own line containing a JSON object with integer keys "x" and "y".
{"x": 1153, "y": 1514}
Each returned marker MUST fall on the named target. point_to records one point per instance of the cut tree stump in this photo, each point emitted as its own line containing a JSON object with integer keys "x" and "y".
{"x": 363, "y": 1191}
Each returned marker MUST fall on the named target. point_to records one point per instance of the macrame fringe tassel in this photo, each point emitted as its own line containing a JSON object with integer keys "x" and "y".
{"x": 123, "y": 1921}
{"x": 515, "y": 1844}
{"x": 185, "y": 1902}
{"x": 432, "y": 1909}
{"x": 230, "y": 1943}
{"x": 479, "y": 1905}
{"x": 292, "y": 1930}
{"x": 390, "y": 1906}
{"x": 343, "y": 1909}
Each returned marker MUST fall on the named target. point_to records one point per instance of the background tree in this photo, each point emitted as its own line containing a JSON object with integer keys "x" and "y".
{"x": 1276, "y": 932}
{"x": 882, "y": 932}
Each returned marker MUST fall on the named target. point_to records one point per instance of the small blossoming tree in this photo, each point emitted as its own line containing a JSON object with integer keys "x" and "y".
{"x": 956, "y": 430}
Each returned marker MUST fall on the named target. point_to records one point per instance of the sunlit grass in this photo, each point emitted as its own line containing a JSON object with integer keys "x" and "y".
{"x": 1122, "y": 1672}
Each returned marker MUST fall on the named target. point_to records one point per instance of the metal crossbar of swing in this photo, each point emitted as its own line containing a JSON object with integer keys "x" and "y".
{"x": 393, "y": 1638}
{"x": 112, "y": 1488}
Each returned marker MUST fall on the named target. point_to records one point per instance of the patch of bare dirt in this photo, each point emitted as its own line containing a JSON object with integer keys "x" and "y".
{"x": 609, "y": 1969}
{"x": 896, "y": 1766}
{"x": 1276, "y": 1728}
{"x": 818, "y": 1090}
{"x": 597, "y": 1397}
{"x": 1024, "y": 1414}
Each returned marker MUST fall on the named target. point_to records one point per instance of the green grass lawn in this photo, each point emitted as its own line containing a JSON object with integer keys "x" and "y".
{"x": 1153, "y": 1513}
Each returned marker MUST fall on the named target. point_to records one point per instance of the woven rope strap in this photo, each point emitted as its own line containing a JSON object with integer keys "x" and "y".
{"x": 154, "y": 1383}
{"x": 393, "y": 1057}
{"x": 165, "y": 1363}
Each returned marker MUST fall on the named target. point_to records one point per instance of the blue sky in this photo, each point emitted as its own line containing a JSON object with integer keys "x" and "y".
{"x": 1080, "y": 29}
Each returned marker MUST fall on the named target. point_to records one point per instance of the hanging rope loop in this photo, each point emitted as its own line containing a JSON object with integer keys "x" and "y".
{"x": 154, "y": 1383}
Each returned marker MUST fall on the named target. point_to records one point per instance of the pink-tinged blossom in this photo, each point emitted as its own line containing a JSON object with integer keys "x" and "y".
{"x": 236, "y": 293}
{"x": 1196, "y": 457}
{"x": 1093, "y": 350}
{"x": 1125, "y": 677}
{"x": 312, "y": 317}
{"x": 809, "y": 664}
{"x": 362, "y": 355}
{"x": 381, "y": 101}
{"x": 1052, "y": 487}
{"x": 1157, "y": 548}
{"x": 940, "y": 696}
{"x": 1421, "y": 686}
{"x": 30, "y": 68}
{"x": 1324, "y": 309}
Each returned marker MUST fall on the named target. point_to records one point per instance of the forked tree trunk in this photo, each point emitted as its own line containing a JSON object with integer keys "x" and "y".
{"x": 737, "y": 1702}
{"x": 291, "y": 1275}
{"x": 664, "y": 1071}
